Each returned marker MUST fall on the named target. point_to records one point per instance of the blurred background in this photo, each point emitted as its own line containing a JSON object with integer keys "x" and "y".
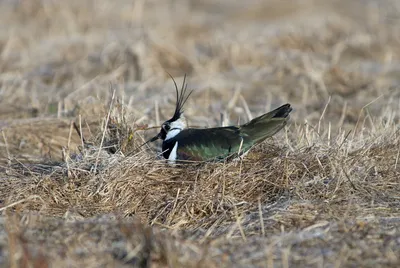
{"x": 62, "y": 59}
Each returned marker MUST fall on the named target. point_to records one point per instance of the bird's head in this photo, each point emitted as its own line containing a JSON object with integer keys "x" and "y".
{"x": 177, "y": 123}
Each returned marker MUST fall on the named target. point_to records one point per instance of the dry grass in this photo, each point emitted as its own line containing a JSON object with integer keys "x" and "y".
{"x": 322, "y": 193}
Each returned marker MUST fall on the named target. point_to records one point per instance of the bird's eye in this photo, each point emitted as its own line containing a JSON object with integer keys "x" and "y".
{"x": 166, "y": 127}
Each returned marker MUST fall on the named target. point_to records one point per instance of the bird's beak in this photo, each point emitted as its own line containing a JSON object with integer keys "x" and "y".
{"x": 154, "y": 138}
{"x": 151, "y": 140}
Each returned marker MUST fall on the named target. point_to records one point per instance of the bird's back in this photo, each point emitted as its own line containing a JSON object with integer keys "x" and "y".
{"x": 204, "y": 144}
{"x": 222, "y": 142}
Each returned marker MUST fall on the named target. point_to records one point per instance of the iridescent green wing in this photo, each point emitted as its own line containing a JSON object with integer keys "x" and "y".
{"x": 209, "y": 144}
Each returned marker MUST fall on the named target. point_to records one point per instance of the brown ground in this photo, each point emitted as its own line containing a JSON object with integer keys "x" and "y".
{"x": 322, "y": 193}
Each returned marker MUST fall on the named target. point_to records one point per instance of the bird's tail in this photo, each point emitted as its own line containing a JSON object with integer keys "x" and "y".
{"x": 267, "y": 124}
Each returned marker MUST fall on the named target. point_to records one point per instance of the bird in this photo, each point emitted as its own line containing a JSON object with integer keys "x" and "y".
{"x": 183, "y": 144}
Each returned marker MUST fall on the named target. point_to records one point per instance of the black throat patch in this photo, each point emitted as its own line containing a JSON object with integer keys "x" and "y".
{"x": 167, "y": 147}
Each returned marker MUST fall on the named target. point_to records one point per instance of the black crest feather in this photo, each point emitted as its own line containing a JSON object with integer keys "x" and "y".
{"x": 181, "y": 98}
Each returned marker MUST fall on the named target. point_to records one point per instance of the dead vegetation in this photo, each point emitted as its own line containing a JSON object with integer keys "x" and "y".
{"x": 322, "y": 193}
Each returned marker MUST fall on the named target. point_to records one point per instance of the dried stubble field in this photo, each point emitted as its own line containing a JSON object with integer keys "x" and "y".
{"x": 322, "y": 193}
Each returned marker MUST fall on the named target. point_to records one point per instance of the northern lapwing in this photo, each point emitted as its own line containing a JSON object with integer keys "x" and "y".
{"x": 181, "y": 143}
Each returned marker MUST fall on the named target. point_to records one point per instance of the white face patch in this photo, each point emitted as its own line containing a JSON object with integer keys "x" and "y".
{"x": 172, "y": 156}
{"x": 176, "y": 127}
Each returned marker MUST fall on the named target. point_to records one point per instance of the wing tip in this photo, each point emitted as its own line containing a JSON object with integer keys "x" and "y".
{"x": 283, "y": 111}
